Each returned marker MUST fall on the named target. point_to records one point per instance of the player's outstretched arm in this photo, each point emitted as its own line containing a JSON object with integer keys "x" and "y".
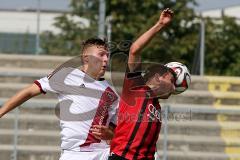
{"x": 134, "y": 55}
{"x": 22, "y": 96}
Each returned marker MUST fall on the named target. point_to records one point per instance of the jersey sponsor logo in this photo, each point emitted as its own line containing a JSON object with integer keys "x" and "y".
{"x": 101, "y": 115}
{"x": 154, "y": 112}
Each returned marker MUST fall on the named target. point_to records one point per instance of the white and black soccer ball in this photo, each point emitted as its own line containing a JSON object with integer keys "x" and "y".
{"x": 183, "y": 77}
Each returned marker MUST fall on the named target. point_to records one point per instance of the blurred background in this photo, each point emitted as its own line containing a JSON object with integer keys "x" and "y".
{"x": 200, "y": 30}
{"x": 38, "y": 35}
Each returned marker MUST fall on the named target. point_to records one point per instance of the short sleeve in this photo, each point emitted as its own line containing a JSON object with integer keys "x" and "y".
{"x": 132, "y": 80}
{"x": 43, "y": 85}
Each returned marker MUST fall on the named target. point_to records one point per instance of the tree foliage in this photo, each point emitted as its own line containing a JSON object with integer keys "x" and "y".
{"x": 72, "y": 29}
{"x": 178, "y": 42}
{"x": 222, "y": 47}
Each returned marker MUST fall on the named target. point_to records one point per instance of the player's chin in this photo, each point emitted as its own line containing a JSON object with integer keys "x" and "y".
{"x": 102, "y": 72}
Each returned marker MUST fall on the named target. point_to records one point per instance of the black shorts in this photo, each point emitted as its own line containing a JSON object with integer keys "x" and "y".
{"x": 115, "y": 157}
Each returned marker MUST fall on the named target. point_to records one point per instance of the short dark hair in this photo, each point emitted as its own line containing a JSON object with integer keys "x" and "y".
{"x": 153, "y": 69}
{"x": 94, "y": 42}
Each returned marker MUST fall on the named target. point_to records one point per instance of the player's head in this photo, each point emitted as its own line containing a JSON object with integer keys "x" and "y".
{"x": 183, "y": 76}
{"x": 161, "y": 80}
{"x": 95, "y": 56}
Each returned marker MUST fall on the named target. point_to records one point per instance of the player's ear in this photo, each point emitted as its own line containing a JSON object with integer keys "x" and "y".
{"x": 85, "y": 58}
{"x": 157, "y": 77}
{"x": 164, "y": 75}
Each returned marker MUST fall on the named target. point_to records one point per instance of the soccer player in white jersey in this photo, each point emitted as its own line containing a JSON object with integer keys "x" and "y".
{"x": 86, "y": 101}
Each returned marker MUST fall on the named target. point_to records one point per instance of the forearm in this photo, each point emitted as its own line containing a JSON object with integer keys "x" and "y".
{"x": 111, "y": 135}
{"x": 134, "y": 59}
{"x": 13, "y": 103}
{"x": 145, "y": 38}
{"x": 18, "y": 99}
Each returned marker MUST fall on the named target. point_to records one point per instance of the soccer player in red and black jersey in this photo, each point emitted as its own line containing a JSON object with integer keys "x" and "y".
{"x": 139, "y": 119}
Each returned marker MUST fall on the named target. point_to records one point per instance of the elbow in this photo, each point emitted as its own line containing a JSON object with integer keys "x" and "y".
{"x": 133, "y": 50}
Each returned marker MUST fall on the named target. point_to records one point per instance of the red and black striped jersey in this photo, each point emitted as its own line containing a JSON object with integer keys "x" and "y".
{"x": 139, "y": 120}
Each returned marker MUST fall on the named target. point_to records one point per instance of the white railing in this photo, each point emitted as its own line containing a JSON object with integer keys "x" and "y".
{"x": 166, "y": 110}
{"x": 181, "y": 108}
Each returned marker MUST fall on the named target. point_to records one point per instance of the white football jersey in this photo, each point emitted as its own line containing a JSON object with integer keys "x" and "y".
{"x": 83, "y": 102}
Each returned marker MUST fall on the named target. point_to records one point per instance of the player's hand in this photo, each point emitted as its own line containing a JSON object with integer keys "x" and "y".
{"x": 165, "y": 17}
{"x": 102, "y": 132}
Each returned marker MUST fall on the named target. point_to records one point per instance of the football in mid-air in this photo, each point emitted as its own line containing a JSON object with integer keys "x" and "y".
{"x": 183, "y": 77}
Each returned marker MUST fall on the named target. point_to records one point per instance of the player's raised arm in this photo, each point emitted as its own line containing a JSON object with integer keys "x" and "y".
{"x": 20, "y": 98}
{"x": 134, "y": 55}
